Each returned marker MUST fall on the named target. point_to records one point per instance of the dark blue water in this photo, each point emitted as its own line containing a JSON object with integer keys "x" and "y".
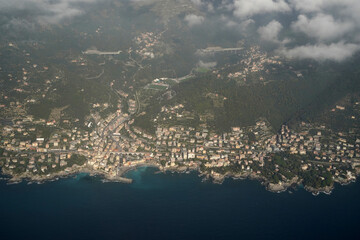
{"x": 173, "y": 206}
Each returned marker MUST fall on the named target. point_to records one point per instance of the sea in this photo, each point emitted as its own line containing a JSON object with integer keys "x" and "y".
{"x": 173, "y": 206}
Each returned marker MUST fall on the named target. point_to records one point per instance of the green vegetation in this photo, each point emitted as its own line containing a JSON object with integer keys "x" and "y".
{"x": 2, "y": 152}
{"x": 279, "y": 101}
{"x": 346, "y": 82}
{"x": 76, "y": 159}
{"x": 284, "y": 166}
{"x": 163, "y": 163}
{"x": 318, "y": 178}
{"x": 42, "y": 109}
{"x": 202, "y": 70}
{"x": 157, "y": 87}
{"x": 170, "y": 82}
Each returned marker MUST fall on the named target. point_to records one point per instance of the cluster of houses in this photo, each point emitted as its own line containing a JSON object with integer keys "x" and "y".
{"x": 115, "y": 143}
{"x": 254, "y": 61}
{"x": 146, "y": 43}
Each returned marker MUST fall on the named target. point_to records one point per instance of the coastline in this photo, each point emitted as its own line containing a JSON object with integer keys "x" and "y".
{"x": 63, "y": 174}
{"x": 214, "y": 177}
{"x": 275, "y": 188}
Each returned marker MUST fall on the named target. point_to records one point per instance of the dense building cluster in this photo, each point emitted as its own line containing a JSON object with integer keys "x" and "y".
{"x": 115, "y": 143}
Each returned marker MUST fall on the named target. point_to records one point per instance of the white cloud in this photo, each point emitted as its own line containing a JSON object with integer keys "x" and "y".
{"x": 249, "y": 8}
{"x": 246, "y": 23}
{"x": 322, "y": 27}
{"x": 335, "y": 51}
{"x": 210, "y": 7}
{"x": 197, "y": 2}
{"x": 332, "y": 27}
{"x": 240, "y": 26}
{"x": 345, "y": 9}
{"x": 45, "y": 11}
{"x": 193, "y": 20}
{"x": 308, "y": 6}
{"x": 271, "y": 31}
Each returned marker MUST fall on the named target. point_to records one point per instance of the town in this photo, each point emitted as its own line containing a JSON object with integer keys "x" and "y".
{"x": 108, "y": 143}
{"x": 115, "y": 144}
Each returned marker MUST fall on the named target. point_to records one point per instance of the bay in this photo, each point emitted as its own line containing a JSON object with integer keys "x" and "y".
{"x": 173, "y": 206}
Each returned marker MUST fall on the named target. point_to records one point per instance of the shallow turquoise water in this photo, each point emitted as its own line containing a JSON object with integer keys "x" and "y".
{"x": 173, "y": 206}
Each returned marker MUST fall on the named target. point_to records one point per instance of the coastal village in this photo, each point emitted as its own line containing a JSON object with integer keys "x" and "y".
{"x": 112, "y": 145}
{"x": 179, "y": 119}
{"x": 115, "y": 145}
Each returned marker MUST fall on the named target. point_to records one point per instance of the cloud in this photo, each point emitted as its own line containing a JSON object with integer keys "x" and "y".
{"x": 241, "y": 26}
{"x": 345, "y": 9}
{"x": 271, "y": 31}
{"x": 248, "y": 8}
{"x": 335, "y": 51}
{"x": 42, "y": 11}
{"x": 308, "y": 6}
{"x": 193, "y": 20}
{"x": 198, "y": 3}
{"x": 19, "y": 24}
{"x": 332, "y": 28}
{"x": 322, "y": 27}
{"x": 245, "y": 24}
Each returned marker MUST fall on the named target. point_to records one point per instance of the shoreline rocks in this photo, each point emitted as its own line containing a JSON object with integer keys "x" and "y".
{"x": 215, "y": 177}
